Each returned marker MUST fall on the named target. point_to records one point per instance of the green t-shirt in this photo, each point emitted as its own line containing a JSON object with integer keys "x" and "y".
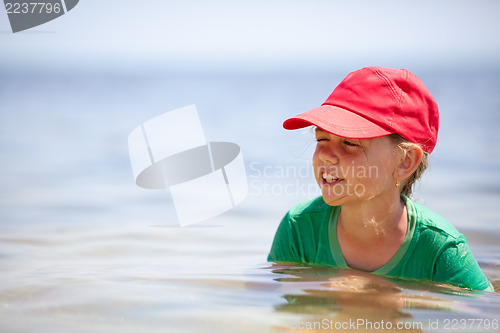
{"x": 432, "y": 250}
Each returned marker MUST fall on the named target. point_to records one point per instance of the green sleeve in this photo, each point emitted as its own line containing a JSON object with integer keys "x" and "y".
{"x": 456, "y": 265}
{"x": 284, "y": 247}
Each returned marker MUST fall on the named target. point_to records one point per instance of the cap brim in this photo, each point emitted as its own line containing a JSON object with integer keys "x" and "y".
{"x": 338, "y": 121}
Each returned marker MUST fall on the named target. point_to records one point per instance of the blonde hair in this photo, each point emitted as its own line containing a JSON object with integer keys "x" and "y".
{"x": 403, "y": 144}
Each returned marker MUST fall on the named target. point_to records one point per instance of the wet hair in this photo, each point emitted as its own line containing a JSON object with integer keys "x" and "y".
{"x": 403, "y": 144}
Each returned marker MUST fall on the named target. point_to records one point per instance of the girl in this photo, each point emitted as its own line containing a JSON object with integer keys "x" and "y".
{"x": 374, "y": 133}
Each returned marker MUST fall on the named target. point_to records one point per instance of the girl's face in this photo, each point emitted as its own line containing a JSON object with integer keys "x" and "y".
{"x": 350, "y": 170}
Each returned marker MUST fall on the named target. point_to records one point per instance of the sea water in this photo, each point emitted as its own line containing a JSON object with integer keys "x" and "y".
{"x": 83, "y": 249}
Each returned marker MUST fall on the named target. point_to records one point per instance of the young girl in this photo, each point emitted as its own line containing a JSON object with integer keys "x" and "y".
{"x": 374, "y": 133}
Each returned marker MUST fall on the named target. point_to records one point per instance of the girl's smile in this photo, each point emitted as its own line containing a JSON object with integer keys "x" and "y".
{"x": 330, "y": 179}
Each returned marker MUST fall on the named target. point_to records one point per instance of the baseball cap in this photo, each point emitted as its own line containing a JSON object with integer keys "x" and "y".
{"x": 373, "y": 102}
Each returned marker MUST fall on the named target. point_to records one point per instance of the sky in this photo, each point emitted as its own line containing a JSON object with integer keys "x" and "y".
{"x": 258, "y": 34}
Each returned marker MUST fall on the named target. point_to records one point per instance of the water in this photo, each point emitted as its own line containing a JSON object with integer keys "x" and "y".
{"x": 82, "y": 249}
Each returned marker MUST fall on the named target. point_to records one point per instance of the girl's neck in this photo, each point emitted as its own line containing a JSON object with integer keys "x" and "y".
{"x": 374, "y": 219}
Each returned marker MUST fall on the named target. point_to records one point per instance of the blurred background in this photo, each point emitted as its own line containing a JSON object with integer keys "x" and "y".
{"x": 73, "y": 89}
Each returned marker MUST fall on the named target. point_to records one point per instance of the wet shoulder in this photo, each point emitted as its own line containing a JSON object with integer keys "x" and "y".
{"x": 428, "y": 221}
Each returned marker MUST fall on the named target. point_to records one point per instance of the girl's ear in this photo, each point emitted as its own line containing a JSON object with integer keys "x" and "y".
{"x": 412, "y": 156}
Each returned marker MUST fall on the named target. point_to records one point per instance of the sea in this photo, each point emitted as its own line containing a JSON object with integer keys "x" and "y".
{"x": 84, "y": 249}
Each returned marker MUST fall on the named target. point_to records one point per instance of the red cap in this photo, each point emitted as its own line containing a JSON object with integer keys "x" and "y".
{"x": 373, "y": 102}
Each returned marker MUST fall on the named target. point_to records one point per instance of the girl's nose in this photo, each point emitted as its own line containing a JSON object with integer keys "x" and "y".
{"x": 327, "y": 154}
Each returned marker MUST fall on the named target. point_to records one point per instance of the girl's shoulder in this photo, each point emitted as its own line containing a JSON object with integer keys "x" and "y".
{"x": 428, "y": 220}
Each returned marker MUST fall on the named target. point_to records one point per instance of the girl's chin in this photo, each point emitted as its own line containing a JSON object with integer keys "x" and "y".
{"x": 334, "y": 200}
{"x": 334, "y": 203}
